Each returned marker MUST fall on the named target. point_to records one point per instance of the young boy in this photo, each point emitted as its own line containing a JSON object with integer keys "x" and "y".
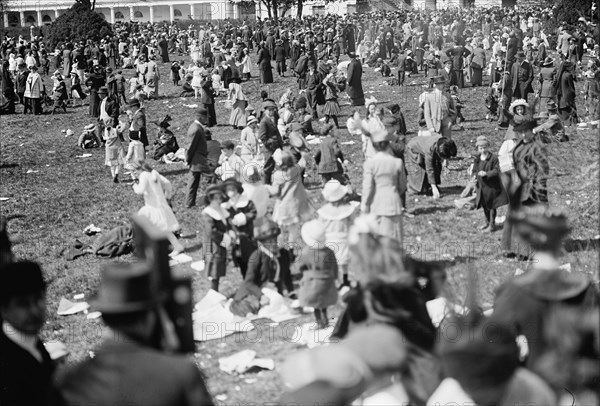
{"x": 490, "y": 193}
{"x": 459, "y": 105}
{"x": 230, "y": 164}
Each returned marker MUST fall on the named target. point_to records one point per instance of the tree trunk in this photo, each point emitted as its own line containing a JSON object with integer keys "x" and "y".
{"x": 275, "y": 6}
{"x": 299, "y": 6}
{"x": 93, "y": 5}
{"x": 267, "y": 4}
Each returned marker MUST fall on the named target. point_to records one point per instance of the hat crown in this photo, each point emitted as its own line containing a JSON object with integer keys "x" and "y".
{"x": 124, "y": 288}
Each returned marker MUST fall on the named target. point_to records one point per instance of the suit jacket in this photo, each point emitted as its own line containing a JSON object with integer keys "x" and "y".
{"x": 126, "y": 372}
{"x": 457, "y": 54}
{"x": 24, "y": 380}
{"x": 439, "y": 111}
{"x": 269, "y": 134}
{"x": 197, "y": 152}
{"x": 384, "y": 182}
{"x": 522, "y": 76}
{"x": 207, "y": 95}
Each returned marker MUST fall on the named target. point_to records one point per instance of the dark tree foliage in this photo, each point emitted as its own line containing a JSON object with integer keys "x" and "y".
{"x": 77, "y": 24}
{"x": 570, "y": 10}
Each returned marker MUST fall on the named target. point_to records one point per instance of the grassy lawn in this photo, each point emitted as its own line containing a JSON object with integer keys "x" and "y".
{"x": 50, "y": 207}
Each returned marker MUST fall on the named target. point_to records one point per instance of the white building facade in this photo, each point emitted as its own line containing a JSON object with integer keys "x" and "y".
{"x": 26, "y": 13}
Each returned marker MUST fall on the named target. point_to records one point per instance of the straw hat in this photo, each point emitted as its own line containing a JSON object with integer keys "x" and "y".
{"x": 518, "y": 102}
{"x": 482, "y": 140}
{"x": 313, "y": 233}
{"x": 334, "y": 191}
{"x": 251, "y": 120}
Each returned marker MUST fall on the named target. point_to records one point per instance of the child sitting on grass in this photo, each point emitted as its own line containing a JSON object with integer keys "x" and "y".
{"x": 490, "y": 193}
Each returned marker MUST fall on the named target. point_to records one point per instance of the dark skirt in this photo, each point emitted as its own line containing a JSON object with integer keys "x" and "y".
{"x": 216, "y": 264}
{"x": 94, "y": 104}
{"x": 212, "y": 115}
{"x": 266, "y": 74}
{"x": 332, "y": 108}
{"x": 476, "y": 76}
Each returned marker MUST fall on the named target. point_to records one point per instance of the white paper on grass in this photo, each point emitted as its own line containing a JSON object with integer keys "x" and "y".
{"x": 439, "y": 308}
{"x": 198, "y": 265}
{"x": 66, "y": 307}
{"x": 84, "y": 156}
{"x": 180, "y": 259}
{"x": 243, "y": 361}
{"x": 348, "y": 143}
{"x": 308, "y": 335}
{"x": 277, "y": 309}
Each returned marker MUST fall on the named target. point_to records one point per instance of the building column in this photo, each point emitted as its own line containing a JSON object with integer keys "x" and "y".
{"x": 22, "y": 18}
{"x": 5, "y": 15}
{"x": 131, "y": 13}
{"x": 39, "y": 18}
{"x": 111, "y": 12}
{"x": 192, "y": 12}
{"x": 56, "y": 13}
{"x": 171, "y": 13}
{"x": 151, "y": 14}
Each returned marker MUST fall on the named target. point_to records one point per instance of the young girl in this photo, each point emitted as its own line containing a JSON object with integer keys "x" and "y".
{"x": 157, "y": 190}
{"x": 459, "y": 105}
{"x": 331, "y": 109}
{"x": 175, "y": 75}
{"x": 249, "y": 141}
{"x": 216, "y": 235}
{"x": 135, "y": 153}
{"x": 336, "y": 217}
{"x": 292, "y": 205}
{"x": 114, "y": 149}
{"x": 319, "y": 272}
{"x": 490, "y": 193}
{"x": 242, "y": 213}
{"x": 329, "y": 157}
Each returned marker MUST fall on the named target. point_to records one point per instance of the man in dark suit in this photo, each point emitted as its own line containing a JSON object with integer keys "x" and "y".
{"x": 269, "y": 135}
{"x": 521, "y": 74}
{"x": 20, "y": 83}
{"x": 127, "y": 369}
{"x": 457, "y": 55}
{"x": 196, "y": 154}
{"x": 354, "y": 89}
{"x": 25, "y": 364}
{"x": 138, "y": 121}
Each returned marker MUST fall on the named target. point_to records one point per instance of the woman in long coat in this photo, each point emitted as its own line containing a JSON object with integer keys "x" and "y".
{"x": 242, "y": 213}
{"x": 34, "y": 87}
{"x": 238, "y": 106}
{"x": 354, "y": 88}
{"x": 216, "y": 237}
{"x": 67, "y": 58}
{"x": 477, "y": 63}
{"x": 547, "y": 76}
{"x": 565, "y": 93}
{"x": 264, "y": 65}
{"x": 94, "y": 83}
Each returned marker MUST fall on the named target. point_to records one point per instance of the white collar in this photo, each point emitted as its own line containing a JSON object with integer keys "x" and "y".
{"x": 26, "y": 341}
{"x": 217, "y": 215}
{"x": 241, "y": 202}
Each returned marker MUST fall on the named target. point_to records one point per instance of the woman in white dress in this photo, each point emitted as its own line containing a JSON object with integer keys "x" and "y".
{"x": 249, "y": 141}
{"x": 245, "y": 64}
{"x": 156, "y": 190}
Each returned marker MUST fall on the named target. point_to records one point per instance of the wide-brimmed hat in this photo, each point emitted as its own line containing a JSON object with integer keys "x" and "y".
{"x": 251, "y": 120}
{"x": 211, "y": 191}
{"x": 518, "y": 102}
{"x": 352, "y": 54}
{"x": 540, "y": 225}
{"x": 125, "y": 288}
{"x": 265, "y": 229}
{"x": 521, "y": 54}
{"x": 90, "y": 127}
{"x": 232, "y": 182}
{"x": 267, "y": 104}
{"x": 313, "y": 233}
{"x": 103, "y": 90}
{"x": 549, "y": 61}
{"x": 551, "y": 105}
{"x": 334, "y": 191}
{"x": 526, "y": 125}
{"x": 134, "y": 103}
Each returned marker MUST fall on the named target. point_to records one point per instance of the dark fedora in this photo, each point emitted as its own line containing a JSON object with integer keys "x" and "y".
{"x": 551, "y": 105}
{"x": 20, "y": 279}
{"x": 211, "y": 191}
{"x": 125, "y": 288}
{"x": 232, "y": 182}
{"x": 202, "y": 112}
{"x": 103, "y": 90}
{"x": 520, "y": 54}
{"x": 265, "y": 229}
{"x": 134, "y": 103}
{"x": 540, "y": 226}
{"x": 549, "y": 61}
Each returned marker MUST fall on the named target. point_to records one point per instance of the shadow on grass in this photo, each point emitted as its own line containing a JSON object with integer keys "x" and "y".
{"x": 5, "y": 165}
{"x": 582, "y": 245}
{"x": 419, "y": 211}
{"x": 174, "y": 172}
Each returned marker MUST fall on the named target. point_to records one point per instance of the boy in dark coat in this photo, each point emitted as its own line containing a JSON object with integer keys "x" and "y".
{"x": 329, "y": 157}
{"x": 267, "y": 264}
{"x": 280, "y": 57}
{"x": 490, "y": 193}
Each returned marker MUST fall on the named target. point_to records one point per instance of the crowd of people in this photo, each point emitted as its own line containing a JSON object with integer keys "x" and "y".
{"x": 257, "y": 212}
